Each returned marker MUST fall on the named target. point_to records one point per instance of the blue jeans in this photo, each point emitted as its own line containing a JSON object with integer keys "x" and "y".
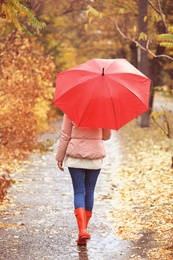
{"x": 84, "y": 182}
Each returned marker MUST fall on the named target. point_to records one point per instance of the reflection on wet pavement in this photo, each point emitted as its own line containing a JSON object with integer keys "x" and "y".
{"x": 39, "y": 222}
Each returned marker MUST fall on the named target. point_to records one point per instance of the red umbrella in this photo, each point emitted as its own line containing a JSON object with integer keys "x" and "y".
{"x": 102, "y": 93}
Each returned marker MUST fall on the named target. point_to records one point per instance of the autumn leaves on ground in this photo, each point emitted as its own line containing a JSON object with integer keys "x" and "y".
{"x": 147, "y": 193}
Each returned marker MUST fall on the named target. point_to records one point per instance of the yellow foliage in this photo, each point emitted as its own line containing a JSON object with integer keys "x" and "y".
{"x": 26, "y": 92}
{"x": 93, "y": 11}
{"x": 13, "y": 11}
{"x": 68, "y": 56}
{"x": 41, "y": 110}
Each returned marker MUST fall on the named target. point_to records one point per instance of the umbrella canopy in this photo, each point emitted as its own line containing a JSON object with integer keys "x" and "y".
{"x": 102, "y": 93}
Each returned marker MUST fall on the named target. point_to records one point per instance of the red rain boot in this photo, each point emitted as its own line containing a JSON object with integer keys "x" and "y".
{"x": 88, "y": 216}
{"x": 81, "y": 221}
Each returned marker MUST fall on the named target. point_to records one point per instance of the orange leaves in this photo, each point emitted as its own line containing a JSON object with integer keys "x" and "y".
{"x": 26, "y": 82}
{"x": 5, "y": 183}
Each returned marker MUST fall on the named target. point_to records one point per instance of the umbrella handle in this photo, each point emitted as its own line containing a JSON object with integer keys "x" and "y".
{"x": 103, "y": 72}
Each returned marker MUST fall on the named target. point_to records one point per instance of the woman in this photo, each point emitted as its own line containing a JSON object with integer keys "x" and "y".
{"x": 81, "y": 149}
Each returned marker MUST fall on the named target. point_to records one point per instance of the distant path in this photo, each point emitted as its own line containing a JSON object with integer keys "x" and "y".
{"x": 162, "y": 103}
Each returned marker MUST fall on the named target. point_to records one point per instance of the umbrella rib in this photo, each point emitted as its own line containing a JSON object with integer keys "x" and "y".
{"x": 88, "y": 104}
{"x": 126, "y": 87}
{"x": 112, "y": 104}
{"x": 77, "y": 85}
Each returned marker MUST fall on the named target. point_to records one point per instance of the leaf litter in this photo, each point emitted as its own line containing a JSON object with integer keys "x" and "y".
{"x": 147, "y": 191}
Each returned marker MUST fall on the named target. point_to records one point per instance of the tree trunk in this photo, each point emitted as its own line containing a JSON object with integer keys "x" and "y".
{"x": 134, "y": 58}
{"x": 142, "y": 56}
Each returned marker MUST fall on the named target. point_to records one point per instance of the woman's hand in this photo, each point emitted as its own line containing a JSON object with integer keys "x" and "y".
{"x": 60, "y": 166}
{"x": 106, "y": 134}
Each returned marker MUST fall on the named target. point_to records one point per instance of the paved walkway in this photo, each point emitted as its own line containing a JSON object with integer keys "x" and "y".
{"x": 39, "y": 223}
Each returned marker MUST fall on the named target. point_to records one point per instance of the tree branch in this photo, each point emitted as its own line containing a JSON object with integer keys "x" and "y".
{"x": 165, "y": 119}
{"x": 161, "y": 127}
{"x": 153, "y": 7}
{"x": 162, "y": 17}
{"x": 142, "y": 47}
{"x": 159, "y": 11}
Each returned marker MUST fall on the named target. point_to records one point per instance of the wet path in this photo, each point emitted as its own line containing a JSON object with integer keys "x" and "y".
{"x": 39, "y": 222}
